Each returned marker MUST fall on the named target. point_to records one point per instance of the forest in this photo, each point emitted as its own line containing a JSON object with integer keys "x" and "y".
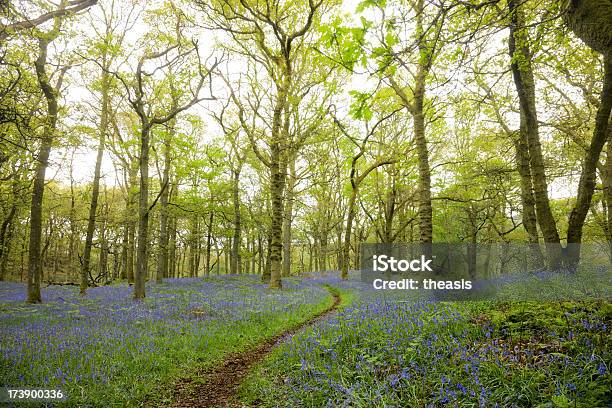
{"x": 187, "y": 180}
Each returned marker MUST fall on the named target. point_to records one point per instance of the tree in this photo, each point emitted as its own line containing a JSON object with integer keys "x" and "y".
{"x": 50, "y": 92}
{"x": 356, "y": 179}
{"x": 429, "y": 42}
{"x": 523, "y": 167}
{"x": 142, "y": 93}
{"x": 591, "y": 20}
{"x": 237, "y": 156}
{"x": 66, "y": 8}
{"x": 109, "y": 40}
{"x": 522, "y": 73}
{"x": 405, "y": 64}
{"x": 274, "y": 37}
{"x": 164, "y": 233}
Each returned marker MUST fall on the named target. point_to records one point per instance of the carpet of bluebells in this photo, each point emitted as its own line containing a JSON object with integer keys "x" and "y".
{"x": 108, "y": 347}
{"x": 391, "y": 351}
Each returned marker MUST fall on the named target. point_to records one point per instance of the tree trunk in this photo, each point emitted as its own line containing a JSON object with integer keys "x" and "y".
{"x": 277, "y": 179}
{"x": 287, "y": 221}
{"x": 265, "y": 277}
{"x": 162, "y": 261}
{"x": 5, "y": 237}
{"x": 142, "y": 260}
{"x": 527, "y": 199}
{"x": 389, "y": 213}
{"x": 324, "y": 250}
{"x": 253, "y": 255}
{"x": 471, "y": 247}
{"x": 310, "y": 255}
{"x": 103, "y": 260}
{"x": 276, "y": 197}
{"x": 34, "y": 256}
{"x": 530, "y": 222}
{"x": 586, "y": 185}
{"x": 416, "y": 107}
{"x": 425, "y": 208}
{"x": 339, "y": 245}
{"x": 93, "y": 207}
{"x": 260, "y": 263}
{"x": 172, "y": 250}
{"x": 47, "y": 243}
{"x": 72, "y": 245}
{"x": 227, "y": 246}
{"x": 209, "y": 239}
{"x": 124, "y": 252}
{"x": 6, "y": 253}
{"x": 235, "y": 256}
{"x": 131, "y": 222}
{"x": 346, "y": 249}
{"x": 591, "y": 21}
{"x": 609, "y": 191}
{"x": 277, "y": 185}
{"x": 418, "y": 118}
{"x": 525, "y": 87}
{"x": 193, "y": 245}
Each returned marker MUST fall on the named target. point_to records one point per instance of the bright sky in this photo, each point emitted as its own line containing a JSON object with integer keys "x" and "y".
{"x": 84, "y": 156}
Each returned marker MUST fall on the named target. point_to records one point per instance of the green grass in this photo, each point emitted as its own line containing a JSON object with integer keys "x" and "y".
{"x": 259, "y": 386}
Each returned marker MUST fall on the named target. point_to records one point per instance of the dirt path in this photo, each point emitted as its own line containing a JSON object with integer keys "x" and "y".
{"x": 221, "y": 383}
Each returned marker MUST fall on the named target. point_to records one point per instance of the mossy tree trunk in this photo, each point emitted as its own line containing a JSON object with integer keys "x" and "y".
{"x": 522, "y": 74}
{"x": 591, "y": 21}
{"x": 42, "y": 162}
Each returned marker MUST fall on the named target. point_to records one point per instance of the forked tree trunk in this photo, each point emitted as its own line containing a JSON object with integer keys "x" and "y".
{"x": 525, "y": 86}
{"x": 416, "y": 106}
{"x": 42, "y": 162}
{"x": 355, "y": 183}
{"x": 591, "y": 21}
{"x": 586, "y": 185}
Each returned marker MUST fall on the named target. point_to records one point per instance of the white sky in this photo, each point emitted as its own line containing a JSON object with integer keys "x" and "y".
{"x": 84, "y": 156}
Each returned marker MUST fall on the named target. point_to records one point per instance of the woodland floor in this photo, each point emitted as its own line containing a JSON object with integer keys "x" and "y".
{"x": 217, "y": 387}
{"x": 229, "y": 341}
{"x": 104, "y": 349}
{"x": 385, "y": 349}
